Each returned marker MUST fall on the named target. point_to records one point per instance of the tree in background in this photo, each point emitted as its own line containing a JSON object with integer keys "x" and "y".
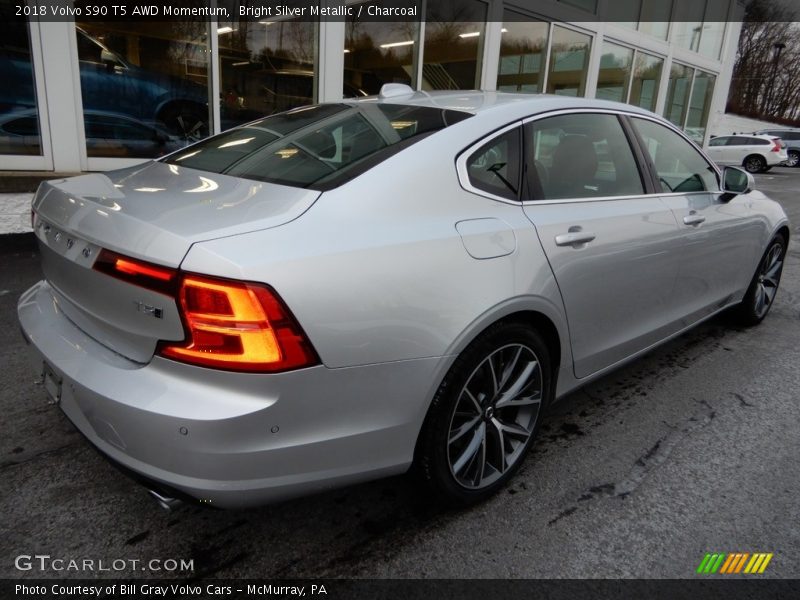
{"x": 766, "y": 75}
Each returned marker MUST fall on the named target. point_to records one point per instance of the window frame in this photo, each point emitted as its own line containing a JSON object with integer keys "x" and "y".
{"x": 642, "y": 157}
{"x": 521, "y": 178}
{"x": 463, "y": 157}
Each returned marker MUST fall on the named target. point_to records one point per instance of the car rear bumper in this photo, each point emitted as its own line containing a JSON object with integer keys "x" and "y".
{"x": 231, "y": 439}
{"x": 776, "y": 158}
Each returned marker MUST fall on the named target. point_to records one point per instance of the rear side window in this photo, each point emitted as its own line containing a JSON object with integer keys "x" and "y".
{"x": 317, "y": 147}
{"x": 758, "y": 142}
{"x": 737, "y": 140}
{"x": 495, "y": 166}
{"x": 679, "y": 165}
{"x": 581, "y": 156}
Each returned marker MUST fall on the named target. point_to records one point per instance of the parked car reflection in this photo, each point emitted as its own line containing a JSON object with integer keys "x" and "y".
{"x": 107, "y": 134}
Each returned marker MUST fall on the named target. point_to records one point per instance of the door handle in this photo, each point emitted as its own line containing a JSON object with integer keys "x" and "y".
{"x": 574, "y": 238}
{"x": 693, "y": 219}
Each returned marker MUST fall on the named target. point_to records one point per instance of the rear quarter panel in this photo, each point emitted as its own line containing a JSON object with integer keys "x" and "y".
{"x": 376, "y": 271}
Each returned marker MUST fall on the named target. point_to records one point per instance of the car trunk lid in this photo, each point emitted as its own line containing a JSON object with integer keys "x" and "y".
{"x": 153, "y": 213}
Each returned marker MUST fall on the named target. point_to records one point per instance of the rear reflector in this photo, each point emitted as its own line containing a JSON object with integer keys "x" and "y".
{"x": 238, "y": 326}
{"x": 138, "y": 272}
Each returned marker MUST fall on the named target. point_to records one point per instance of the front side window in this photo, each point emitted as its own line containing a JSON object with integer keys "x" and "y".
{"x": 495, "y": 166}
{"x": 317, "y": 147}
{"x": 581, "y": 156}
{"x": 678, "y": 164}
{"x": 718, "y": 141}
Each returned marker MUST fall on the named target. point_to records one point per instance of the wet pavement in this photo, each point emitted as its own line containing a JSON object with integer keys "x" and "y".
{"x": 692, "y": 449}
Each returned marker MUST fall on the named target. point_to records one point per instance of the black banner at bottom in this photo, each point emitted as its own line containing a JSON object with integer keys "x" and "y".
{"x": 404, "y": 589}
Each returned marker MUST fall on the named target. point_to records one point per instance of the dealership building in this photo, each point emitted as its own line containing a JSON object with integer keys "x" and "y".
{"x": 94, "y": 94}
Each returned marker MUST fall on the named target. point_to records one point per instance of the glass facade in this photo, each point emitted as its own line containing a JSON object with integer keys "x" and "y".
{"x": 144, "y": 87}
{"x": 615, "y": 72}
{"x": 522, "y": 54}
{"x": 700, "y": 105}
{"x": 147, "y": 88}
{"x": 19, "y": 116}
{"x": 646, "y": 81}
{"x": 265, "y": 67}
{"x": 378, "y": 53}
{"x": 453, "y": 49}
{"x": 677, "y": 101}
{"x": 569, "y": 62}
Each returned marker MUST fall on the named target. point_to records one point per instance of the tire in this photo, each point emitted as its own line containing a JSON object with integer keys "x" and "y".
{"x": 187, "y": 121}
{"x": 764, "y": 286}
{"x": 754, "y": 163}
{"x": 485, "y": 414}
{"x": 794, "y": 159}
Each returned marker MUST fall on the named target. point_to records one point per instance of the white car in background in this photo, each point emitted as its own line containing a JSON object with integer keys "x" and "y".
{"x": 756, "y": 153}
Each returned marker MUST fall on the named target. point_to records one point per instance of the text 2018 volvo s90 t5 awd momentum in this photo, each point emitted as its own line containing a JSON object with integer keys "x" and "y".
{"x": 338, "y": 292}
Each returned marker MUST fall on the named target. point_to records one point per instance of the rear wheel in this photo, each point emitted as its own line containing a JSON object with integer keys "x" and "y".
{"x": 754, "y": 163}
{"x": 764, "y": 286}
{"x": 794, "y": 158}
{"x": 485, "y": 414}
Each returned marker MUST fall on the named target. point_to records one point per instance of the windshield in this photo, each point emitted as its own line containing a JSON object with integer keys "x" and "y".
{"x": 318, "y": 147}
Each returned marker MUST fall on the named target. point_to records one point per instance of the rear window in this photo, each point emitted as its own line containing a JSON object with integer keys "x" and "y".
{"x": 317, "y": 147}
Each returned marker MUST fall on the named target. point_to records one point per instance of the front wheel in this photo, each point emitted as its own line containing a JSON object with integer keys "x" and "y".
{"x": 764, "y": 286}
{"x": 485, "y": 414}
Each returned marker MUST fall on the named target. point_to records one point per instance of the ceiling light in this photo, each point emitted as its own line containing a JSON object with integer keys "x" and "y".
{"x": 396, "y": 44}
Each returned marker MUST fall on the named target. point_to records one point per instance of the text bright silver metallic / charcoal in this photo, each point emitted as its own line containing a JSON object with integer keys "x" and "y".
{"x": 333, "y": 294}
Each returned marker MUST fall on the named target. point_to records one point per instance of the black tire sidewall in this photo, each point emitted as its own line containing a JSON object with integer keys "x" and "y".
{"x": 762, "y": 163}
{"x": 747, "y": 310}
{"x": 432, "y": 459}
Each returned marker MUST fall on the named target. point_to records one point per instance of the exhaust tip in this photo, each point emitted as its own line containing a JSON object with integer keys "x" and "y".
{"x": 166, "y": 502}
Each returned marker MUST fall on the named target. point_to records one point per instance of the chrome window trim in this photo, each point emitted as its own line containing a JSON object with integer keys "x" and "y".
{"x": 463, "y": 174}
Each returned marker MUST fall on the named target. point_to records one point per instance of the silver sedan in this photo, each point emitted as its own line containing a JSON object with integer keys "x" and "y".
{"x": 342, "y": 291}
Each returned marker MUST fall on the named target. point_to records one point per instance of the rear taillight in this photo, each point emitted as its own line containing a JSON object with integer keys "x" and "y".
{"x": 229, "y": 324}
{"x": 237, "y": 326}
{"x": 776, "y": 146}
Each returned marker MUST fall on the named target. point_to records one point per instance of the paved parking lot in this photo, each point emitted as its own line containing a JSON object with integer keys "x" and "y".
{"x": 693, "y": 449}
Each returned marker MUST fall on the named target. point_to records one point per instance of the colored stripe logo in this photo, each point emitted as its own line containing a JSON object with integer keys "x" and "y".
{"x": 734, "y": 562}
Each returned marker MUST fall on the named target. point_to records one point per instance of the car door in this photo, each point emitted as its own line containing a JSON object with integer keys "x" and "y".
{"x": 719, "y": 234}
{"x": 611, "y": 243}
{"x": 716, "y": 149}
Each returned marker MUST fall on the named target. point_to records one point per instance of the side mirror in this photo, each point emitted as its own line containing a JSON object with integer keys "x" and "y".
{"x": 736, "y": 181}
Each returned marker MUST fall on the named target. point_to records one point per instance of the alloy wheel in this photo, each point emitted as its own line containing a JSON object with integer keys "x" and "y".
{"x": 769, "y": 277}
{"x": 754, "y": 164}
{"x": 793, "y": 160}
{"x": 494, "y": 416}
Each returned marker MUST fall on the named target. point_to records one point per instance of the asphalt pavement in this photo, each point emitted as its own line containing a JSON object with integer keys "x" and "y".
{"x": 691, "y": 449}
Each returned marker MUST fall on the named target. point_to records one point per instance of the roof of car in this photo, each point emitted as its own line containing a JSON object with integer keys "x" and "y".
{"x": 481, "y": 102}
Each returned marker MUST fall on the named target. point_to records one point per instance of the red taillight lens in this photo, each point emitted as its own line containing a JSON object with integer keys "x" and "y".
{"x": 776, "y": 146}
{"x": 238, "y": 326}
{"x": 138, "y": 272}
